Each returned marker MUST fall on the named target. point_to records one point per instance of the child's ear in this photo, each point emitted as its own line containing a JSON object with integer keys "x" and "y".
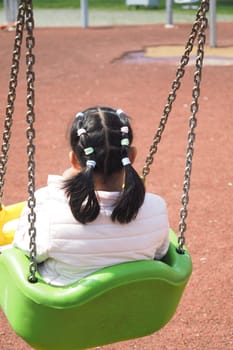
{"x": 132, "y": 154}
{"x": 73, "y": 160}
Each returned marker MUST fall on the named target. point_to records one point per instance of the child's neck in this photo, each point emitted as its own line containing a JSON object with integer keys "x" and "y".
{"x": 112, "y": 184}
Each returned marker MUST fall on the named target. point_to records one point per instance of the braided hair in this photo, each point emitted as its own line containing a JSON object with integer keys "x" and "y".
{"x": 101, "y": 137}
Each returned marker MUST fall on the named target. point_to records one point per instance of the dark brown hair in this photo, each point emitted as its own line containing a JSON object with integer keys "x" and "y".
{"x": 99, "y": 149}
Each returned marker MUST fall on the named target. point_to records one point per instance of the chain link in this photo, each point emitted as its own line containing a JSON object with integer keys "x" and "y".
{"x": 11, "y": 97}
{"x": 192, "y": 125}
{"x": 30, "y": 75}
{"x": 175, "y": 86}
{"x": 24, "y": 18}
{"x": 197, "y": 32}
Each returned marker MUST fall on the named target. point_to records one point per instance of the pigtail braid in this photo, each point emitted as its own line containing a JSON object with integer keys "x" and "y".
{"x": 80, "y": 188}
{"x": 133, "y": 193}
{"x": 131, "y": 198}
{"x": 82, "y": 198}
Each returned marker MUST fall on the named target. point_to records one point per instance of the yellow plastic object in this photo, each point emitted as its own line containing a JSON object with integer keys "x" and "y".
{"x": 9, "y": 214}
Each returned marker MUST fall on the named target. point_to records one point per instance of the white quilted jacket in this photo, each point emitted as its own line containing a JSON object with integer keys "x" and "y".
{"x": 68, "y": 250}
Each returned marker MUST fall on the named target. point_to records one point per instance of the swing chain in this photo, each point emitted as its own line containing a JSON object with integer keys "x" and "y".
{"x": 198, "y": 31}
{"x": 192, "y": 125}
{"x": 11, "y": 97}
{"x": 175, "y": 86}
{"x": 30, "y": 74}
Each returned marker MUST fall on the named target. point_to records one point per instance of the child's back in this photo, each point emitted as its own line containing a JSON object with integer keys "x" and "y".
{"x": 88, "y": 221}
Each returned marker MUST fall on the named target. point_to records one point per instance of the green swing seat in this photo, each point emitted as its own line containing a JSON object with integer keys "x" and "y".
{"x": 117, "y": 303}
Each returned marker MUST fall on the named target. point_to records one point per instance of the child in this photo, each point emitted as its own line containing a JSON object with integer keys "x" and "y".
{"x": 97, "y": 214}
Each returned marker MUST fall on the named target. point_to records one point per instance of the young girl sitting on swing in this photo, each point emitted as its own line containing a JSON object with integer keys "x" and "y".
{"x": 97, "y": 214}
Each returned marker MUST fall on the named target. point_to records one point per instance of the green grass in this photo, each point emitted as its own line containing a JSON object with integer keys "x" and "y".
{"x": 59, "y": 4}
{"x": 223, "y": 6}
{"x": 111, "y": 4}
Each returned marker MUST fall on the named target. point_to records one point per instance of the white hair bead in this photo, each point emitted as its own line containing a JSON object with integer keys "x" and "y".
{"x": 119, "y": 112}
{"x": 125, "y": 161}
{"x": 81, "y": 131}
{"x": 91, "y": 163}
{"x": 79, "y": 114}
{"x": 125, "y": 129}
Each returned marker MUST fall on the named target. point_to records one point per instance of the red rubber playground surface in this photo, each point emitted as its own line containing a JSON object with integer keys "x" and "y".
{"x": 76, "y": 68}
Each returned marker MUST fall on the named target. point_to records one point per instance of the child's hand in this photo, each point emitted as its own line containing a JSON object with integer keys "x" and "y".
{"x": 70, "y": 173}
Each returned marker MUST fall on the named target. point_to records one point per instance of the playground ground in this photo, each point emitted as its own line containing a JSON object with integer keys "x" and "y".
{"x": 76, "y": 68}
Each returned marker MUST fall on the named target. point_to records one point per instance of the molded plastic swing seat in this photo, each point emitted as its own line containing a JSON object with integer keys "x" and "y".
{"x": 7, "y": 215}
{"x": 120, "y": 302}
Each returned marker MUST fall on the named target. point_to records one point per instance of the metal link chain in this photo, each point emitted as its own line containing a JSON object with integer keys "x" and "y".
{"x": 30, "y": 60}
{"x": 24, "y": 18}
{"x": 175, "y": 86}
{"x": 11, "y": 97}
{"x": 192, "y": 125}
{"x": 198, "y": 31}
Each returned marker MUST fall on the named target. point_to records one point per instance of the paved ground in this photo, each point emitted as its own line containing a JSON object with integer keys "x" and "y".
{"x": 76, "y": 68}
{"x": 217, "y": 56}
{"x": 72, "y": 17}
